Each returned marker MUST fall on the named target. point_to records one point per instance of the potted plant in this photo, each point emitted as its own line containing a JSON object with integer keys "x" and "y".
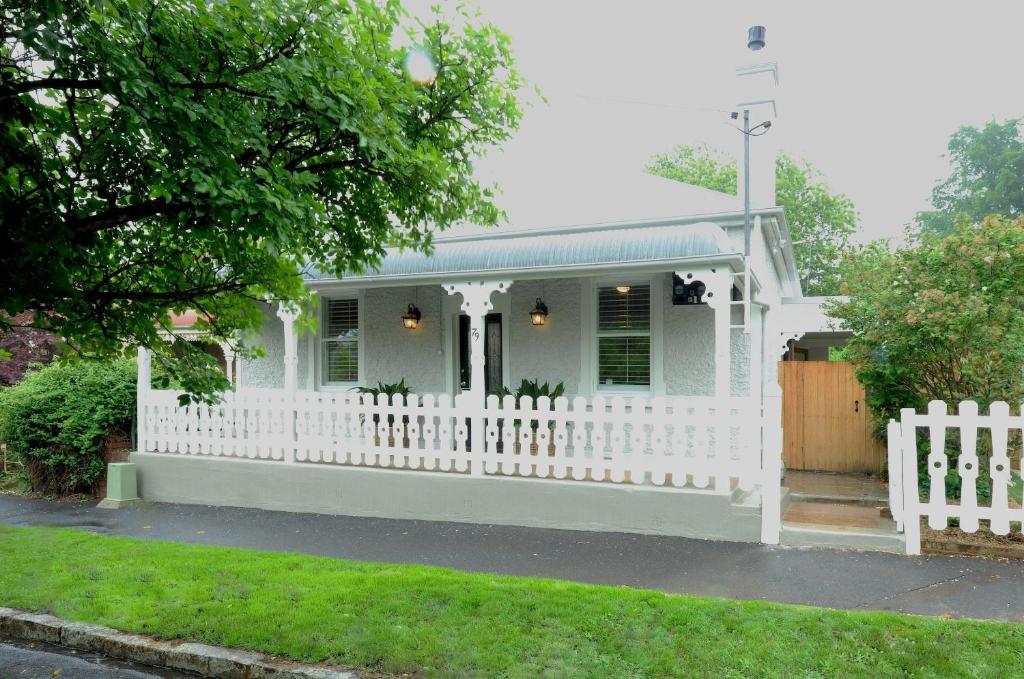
{"x": 535, "y": 390}
{"x": 389, "y": 390}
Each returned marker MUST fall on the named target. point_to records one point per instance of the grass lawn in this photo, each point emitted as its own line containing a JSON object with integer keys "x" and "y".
{"x": 443, "y": 623}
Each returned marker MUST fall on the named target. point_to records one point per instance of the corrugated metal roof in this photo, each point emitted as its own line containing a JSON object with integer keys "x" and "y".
{"x": 566, "y": 250}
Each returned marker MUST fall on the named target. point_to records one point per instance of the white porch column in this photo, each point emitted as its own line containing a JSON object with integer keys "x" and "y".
{"x": 291, "y": 366}
{"x": 291, "y": 357}
{"x": 476, "y": 303}
{"x": 143, "y": 385}
{"x": 756, "y": 350}
{"x": 229, "y": 362}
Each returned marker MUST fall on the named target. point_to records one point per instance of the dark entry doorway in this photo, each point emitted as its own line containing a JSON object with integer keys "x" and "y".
{"x": 493, "y": 377}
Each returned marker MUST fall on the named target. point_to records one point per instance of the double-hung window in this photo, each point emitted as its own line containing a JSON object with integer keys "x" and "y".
{"x": 339, "y": 341}
{"x": 624, "y": 336}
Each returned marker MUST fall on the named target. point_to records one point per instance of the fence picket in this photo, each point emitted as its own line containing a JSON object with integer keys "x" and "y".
{"x": 967, "y": 466}
{"x": 999, "y": 468}
{"x": 937, "y": 465}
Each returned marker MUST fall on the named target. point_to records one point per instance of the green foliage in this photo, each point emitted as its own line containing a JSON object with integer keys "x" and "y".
{"x": 697, "y": 166}
{"x": 390, "y": 391}
{"x": 820, "y": 222}
{"x": 425, "y": 621}
{"x": 534, "y": 390}
{"x": 942, "y": 320}
{"x": 57, "y": 418}
{"x": 181, "y": 154}
{"x": 987, "y": 179}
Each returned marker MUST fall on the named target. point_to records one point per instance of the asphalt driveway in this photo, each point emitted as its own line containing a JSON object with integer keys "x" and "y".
{"x": 949, "y": 586}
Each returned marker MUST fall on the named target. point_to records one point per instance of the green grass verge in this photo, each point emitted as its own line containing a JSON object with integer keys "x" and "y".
{"x": 442, "y": 623}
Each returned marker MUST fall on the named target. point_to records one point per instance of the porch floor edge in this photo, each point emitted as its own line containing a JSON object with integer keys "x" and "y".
{"x": 433, "y": 496}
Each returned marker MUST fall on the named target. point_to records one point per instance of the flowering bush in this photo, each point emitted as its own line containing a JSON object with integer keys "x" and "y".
{"x": 943, "y": 320}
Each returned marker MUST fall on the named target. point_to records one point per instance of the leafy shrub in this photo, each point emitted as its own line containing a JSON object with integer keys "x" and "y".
{"x": 389, "y": 390}
{"x": 57, "y": 418}
{"x": 940, "y": 320}
{"x": 534, "y": 389}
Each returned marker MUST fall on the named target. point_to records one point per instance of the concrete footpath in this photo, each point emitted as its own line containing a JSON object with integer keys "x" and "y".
{"x": 948, "y": 586}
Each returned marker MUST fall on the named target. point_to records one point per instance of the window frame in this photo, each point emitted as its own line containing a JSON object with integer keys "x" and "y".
{"x": 656, "y": 381}
{"x": 321, "y": 342}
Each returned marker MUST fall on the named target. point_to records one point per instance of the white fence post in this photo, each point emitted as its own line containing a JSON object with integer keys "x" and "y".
{"x": 911, "y": 498}
{"x": 894, "y": 466}
{"x": 771, "y": 463}
{"x": 143, "y": 385}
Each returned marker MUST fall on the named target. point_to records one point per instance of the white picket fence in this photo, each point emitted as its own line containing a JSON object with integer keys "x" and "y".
{"x": 702, "y": 443}
{"x": 996, "y": 430}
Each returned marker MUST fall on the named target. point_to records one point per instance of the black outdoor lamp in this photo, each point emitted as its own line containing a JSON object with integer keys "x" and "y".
{"x": 539, "y": 315}
{"x": 411, "y": 318}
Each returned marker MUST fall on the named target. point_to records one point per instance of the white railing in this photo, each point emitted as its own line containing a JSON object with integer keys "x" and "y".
{"x": 664, "y": 441}
{"x": 993, "y": 431}
{"x": 703, "y": 443}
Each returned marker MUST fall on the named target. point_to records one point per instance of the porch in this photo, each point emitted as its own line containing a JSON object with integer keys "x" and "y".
{"x": 621, "y": 457}
{"x": 659, "y": 335}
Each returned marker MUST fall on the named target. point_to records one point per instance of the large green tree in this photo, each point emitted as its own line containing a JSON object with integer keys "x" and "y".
{"x": 987, "y": 179}
{"x": 820, "y": 222}
{"x": 189, "y": 154}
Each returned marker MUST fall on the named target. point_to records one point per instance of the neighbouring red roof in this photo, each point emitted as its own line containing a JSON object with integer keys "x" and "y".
{"x": 185, "y": 319}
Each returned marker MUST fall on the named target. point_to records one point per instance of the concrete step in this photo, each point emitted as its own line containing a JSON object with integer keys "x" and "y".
{"x": 816, "y": 535}
{"x": 873, "y": 502}
{"x": 752, "y": 498}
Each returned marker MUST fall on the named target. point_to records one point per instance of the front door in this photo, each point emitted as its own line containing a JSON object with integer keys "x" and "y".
{"x": 493, "y": 378}
{"x": 825, "y": 421}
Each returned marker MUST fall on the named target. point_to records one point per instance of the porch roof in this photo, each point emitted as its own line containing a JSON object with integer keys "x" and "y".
{"x": 503, "y": 253}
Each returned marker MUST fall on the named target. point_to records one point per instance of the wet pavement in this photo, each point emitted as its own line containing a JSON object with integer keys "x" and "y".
{"x": 934, "y": 585}
{"x": 32, "y": 660}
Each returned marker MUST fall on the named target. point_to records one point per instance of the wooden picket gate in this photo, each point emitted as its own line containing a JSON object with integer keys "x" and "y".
{"x": 992, "y": 433}
{"x": 825, "y": 420}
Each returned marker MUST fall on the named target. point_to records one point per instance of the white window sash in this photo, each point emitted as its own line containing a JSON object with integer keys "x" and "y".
{"x": 599, "y": 334}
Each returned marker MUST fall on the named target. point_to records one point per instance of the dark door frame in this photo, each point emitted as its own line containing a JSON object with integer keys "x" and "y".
{"x": 493, "y": 353}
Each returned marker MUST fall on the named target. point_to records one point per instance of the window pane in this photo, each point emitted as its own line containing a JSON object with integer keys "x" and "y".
{"x": 630, "y": 310}
{"x": 341, "y": 361}
{"x": 341, "y": 318}
{"x": 341, "y": 340}
{"x": 624, "y": 360}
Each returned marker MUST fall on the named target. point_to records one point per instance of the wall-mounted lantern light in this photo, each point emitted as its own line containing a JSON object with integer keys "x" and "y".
{"x": 411, "y": 319}
{"x": 539, "y": 315}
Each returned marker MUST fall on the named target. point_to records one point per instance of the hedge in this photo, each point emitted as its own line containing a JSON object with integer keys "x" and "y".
{"x": 57, "y": 419}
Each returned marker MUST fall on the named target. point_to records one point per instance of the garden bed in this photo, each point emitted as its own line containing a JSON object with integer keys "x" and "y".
{"x": 983, "y": 543}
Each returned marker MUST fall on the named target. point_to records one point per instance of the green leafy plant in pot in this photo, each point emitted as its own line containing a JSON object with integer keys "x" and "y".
{"x": 390, "y": 391}
{"x": 535, "y": 390}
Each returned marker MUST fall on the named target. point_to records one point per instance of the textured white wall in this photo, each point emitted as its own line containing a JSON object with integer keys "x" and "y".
{"x": 304, "y": 376}
{"x": 551, "y": 352}
{"x": 267, "y": 371}
{"x": 689, "y": 350}
{"x": 391, "y": 351}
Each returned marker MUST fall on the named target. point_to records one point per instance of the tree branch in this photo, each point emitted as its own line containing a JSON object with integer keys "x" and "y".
{"x": 51, "y": 84}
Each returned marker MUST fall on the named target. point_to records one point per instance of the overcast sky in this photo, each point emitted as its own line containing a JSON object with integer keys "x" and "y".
{"x": 869, "y": 91}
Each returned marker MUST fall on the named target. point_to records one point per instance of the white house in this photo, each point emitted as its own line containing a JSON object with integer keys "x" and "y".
{"x": 632, "y": 291}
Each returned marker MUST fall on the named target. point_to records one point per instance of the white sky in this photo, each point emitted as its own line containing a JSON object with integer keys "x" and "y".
{"x": 869, "y": 91}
